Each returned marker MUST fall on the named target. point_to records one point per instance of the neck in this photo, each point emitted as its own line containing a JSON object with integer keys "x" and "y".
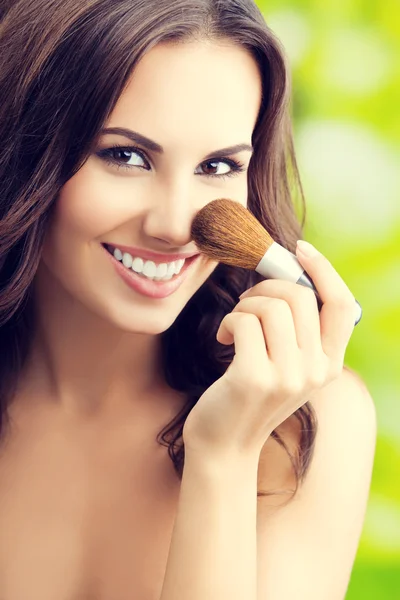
{"x": 83, "y": 362}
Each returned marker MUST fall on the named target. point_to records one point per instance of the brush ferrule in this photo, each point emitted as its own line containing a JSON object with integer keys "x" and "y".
{"x": 280, "y": 263}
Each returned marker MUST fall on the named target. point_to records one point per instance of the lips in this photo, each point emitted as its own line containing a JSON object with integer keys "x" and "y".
{"x": 147, "y": 287}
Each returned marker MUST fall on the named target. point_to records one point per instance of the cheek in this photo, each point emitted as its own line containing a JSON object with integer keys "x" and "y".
{"x": 79, "y": 216}
{"x": 89, "y": 206}
{"x": 85, "y": 210}
{"x": 239, "y": 190}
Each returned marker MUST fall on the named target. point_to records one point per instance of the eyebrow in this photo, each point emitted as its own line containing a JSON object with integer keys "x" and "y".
{"x": 149, "y": 144}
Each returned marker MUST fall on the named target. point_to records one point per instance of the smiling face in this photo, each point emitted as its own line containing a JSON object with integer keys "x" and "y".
{"x": 186, "y": 102}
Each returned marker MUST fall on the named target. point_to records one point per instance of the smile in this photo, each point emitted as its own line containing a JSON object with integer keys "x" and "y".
{"x": 147, "y": 268}
{"x": 147, "y": 277}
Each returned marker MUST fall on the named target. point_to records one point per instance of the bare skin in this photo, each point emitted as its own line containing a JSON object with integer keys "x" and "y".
{"x": 88, "y": 497}
{"x": 87, "y": 520}
{"x": 87, "y": 508}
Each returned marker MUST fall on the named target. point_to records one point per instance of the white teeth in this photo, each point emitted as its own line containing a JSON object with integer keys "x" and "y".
{"x": 162, "y": 270}
{"x": 178, "y": 265}
{"x": 149, "y": 269}
{"x": 137, "y": 265}
{"x": 171, "y": 269}
{"x": 127, "y": 260}
{"x": 165, "y": 278}
{"x": 117, "y": 254}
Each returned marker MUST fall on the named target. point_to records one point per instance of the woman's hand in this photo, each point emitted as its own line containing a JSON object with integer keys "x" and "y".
{"x": 284, "y": 351}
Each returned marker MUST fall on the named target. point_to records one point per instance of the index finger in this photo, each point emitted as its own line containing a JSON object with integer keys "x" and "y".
{"x": 245, "y": 331}
{"x": 338, "y": 310}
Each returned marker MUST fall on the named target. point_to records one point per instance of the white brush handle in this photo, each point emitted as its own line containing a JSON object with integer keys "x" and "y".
{"x": 280, "y": 263}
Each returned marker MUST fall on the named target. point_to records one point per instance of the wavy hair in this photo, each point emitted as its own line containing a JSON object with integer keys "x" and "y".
{"x": 63, "y": 66}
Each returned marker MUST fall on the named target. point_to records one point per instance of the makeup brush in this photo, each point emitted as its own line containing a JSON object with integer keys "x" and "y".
{"x": 226, "y": 231}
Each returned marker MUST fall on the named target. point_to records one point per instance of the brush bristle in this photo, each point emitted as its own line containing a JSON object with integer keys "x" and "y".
{"x": 228, "y": 232}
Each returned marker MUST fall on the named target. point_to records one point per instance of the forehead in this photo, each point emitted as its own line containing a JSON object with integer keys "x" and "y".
{"x": 193, "y": 90}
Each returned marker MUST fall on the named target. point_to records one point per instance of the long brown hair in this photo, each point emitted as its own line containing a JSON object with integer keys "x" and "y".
{"x": 63, "y": 66}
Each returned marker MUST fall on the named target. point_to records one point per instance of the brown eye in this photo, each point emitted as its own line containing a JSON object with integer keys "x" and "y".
{"x": 116, "y": 155}
{"x": 219, "y": 168}
{"x": 211, "y": 168}
{"x": 125, "y": 153}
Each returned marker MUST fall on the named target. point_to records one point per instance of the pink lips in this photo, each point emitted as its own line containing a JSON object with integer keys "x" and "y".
{"x": 147, "y": 287}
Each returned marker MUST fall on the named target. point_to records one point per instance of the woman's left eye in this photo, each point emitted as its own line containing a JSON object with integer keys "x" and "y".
{"x": 232, "y": 167}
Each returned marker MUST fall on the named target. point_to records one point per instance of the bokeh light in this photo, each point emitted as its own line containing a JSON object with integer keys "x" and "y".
{"x": 344, "y": 58}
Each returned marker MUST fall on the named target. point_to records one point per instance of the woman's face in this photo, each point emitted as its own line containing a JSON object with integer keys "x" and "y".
{"x": 191, "y": 100}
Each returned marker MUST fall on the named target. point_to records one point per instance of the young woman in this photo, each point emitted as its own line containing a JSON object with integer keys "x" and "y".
{"x": 158, "y": 432}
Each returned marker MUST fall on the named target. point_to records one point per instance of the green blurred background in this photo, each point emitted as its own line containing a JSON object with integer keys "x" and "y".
{"x": 344, "y": 57}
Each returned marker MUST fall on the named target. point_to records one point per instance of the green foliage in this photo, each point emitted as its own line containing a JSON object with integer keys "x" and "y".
{"x": 344, "y": 61}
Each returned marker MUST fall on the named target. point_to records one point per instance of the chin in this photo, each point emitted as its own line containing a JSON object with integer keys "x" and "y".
{"x": 146, "y": 321}
{"x": 150, "y": 327}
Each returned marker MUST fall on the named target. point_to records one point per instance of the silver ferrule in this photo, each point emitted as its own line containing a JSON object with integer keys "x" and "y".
{"x": 280, "y": 263}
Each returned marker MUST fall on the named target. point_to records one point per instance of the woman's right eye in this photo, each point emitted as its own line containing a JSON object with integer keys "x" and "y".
{"x": 110, "y": 156}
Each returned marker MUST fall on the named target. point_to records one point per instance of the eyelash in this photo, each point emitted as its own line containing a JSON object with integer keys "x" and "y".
{"x": 236, "y": 166}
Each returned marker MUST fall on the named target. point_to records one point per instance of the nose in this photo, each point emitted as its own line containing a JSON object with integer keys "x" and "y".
{"x": 171, "y": 213}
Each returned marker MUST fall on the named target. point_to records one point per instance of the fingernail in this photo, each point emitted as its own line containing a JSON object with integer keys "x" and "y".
{"x": 306, "y": 248}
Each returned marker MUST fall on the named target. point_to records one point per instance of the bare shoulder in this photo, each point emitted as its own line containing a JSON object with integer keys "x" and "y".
{"x": 345, "y": 400}
{"x": 344, "y": 411}
{"x": 314, "y": 536}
